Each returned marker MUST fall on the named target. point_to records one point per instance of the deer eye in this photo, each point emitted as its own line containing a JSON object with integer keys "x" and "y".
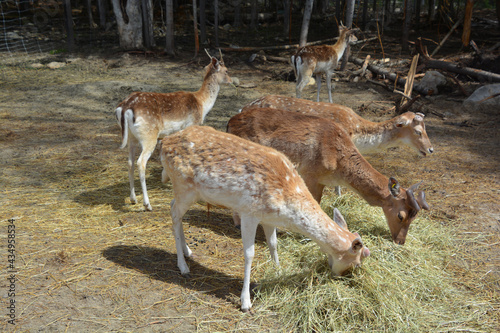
{"x": 417, "y": 132}
{"x": 400, "y": 217}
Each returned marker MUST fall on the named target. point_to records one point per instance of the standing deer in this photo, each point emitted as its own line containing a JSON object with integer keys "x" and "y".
{"x": 309, "y": 60}
{"x": 145, "y": 116}
{"x": 258, "y": 183}
{"x": 324, "y": 155}
{"x": 368, "y": 136}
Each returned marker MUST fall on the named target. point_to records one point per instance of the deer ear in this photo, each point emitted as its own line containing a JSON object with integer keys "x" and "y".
{"x": 394, "y": 187}
{"x": 402, "y": 122}
{"x": 339, "y": 219}
{"x": 215, "y": 63}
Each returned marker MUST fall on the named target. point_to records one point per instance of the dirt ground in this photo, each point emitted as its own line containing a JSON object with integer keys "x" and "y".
{"x": 87, "y": 260}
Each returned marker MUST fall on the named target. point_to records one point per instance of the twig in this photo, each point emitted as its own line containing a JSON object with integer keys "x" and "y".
{"x": 446, "y": 37}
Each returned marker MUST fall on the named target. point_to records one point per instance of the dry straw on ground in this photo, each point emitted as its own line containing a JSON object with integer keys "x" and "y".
{"x": 88, "y": 260}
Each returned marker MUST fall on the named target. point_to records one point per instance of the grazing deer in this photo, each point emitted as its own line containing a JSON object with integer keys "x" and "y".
{"x": 309, "y": 60}
{"x": 258, "y": 183}
{"x": 324, "y": 154}
{"x": 145, "y": 116}
{"x": 368, "y": 136}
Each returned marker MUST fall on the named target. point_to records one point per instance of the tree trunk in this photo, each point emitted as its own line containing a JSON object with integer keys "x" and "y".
{"x": 432, "y": 11}
{"x": 287, "y": 14}
{"x": 169, "y": 46}
{"x": 89, "y": 13}
{"x": 418, "y": 9}
{"x": 68, "y": 23}
{"x": 305, "y": 22}
{"x": 498, "y": 13}
{"x": 101, "y": 4}
{"x": 147, "y": 23}
{"x": 338, "y": 10}
{"x": 203, "y": 22}
{"x": 216, "y": 22}
{"x": 130, "y": 31}
{"x": 406, "y": 26}
{"x": 467, "y": 23}
{"x": 365, "y": 13}
{"x": 348, "y": 23}
{"x": 237, "y": 13}
{"x": 254, "y": 22}
{"x": 195, "y": 24}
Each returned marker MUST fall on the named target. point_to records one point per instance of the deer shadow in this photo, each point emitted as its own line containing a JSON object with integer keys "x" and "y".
{"x": 161, "y": 265}
{"x": 116, "y": 194}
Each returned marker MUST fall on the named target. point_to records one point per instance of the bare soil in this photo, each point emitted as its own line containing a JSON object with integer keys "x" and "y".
{"x": 87, "y": 260}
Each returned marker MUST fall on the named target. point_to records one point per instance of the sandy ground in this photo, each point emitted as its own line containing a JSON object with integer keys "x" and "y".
{"x": 87, "y": 260}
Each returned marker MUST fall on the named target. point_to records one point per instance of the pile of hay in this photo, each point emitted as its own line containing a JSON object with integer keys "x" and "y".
{"x": 398, "y": 289}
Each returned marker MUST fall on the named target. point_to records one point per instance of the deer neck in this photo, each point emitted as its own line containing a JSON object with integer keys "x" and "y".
{"x": 207, "y": 94}
{"x": 311, "y": 221}
{"x": 370, "y": 136}
{"x": 341, "y": 45}
{"x": 359, "y": 175}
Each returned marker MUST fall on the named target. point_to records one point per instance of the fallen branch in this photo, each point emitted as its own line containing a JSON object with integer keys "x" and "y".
{"x": 455, "y": 68}
{"x": 285, "y": 47}
{"x": 384, "y": 72}
{"x": 446, "y": 37}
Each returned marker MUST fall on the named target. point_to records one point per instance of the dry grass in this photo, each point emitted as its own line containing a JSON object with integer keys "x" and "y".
{"x": 88, "y": 260}
{"x": 399, "y": 289}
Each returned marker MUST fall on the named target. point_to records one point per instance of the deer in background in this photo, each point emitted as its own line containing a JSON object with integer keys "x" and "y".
{"x": 324, "y": 155}
{"x": 309, "y": 60}
{"x": 146, "y": 116}
{"x": 368, "y": 136}
{"x": 258, "y": 183}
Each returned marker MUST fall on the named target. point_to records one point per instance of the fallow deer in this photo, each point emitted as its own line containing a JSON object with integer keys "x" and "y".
{"x": 324, "y": 154}
{"x": 368, "y": 136}
{"x": 318, "y": 59}
{"x": 146, "y": 116}
{"x": 258, "y": 183}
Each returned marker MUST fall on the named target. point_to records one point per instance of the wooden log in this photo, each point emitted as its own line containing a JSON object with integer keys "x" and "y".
{"x": 384, "y": 72}
{"x": 477, "y": 74}
{"x": 285, "y": 47}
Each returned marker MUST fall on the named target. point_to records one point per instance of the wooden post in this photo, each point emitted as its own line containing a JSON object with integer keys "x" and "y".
{"x": 467, "y": 22}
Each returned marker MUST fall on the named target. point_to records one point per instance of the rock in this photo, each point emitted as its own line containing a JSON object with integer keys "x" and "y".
{"x": 478, "y": 100}
{"x": 13, "y": 35}
{"x": 56, "y": 65}
{"x": 431, "y": 81}
{"x": 36, "y": 65}
{"x": 248, "y": 85}
{"x": 236, "y": 81}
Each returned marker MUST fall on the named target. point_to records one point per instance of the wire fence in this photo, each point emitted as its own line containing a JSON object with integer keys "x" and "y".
{"x": 28, "y": 27}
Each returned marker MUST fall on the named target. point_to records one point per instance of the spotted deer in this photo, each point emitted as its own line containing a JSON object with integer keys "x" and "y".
{"x": 324, "y": 155}
{"x": 146, "y": 116}
{"x": 368, "y": 136}
{"x": 318, "y": 59}
{"x": 258, "y": 183}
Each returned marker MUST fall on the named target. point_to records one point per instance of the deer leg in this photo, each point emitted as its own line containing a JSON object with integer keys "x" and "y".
{"x": 131, "y": 157}
{"x": 272, "y": 242}
{"x": 179, "y": 207}
{"x": 248, "y": 231}
{"x": 302, "y": 80}
{"x": 329, "y": 86}
{"x": 318, "y": 83}
{"x": 147, "y": 150}
{"x": 299, "y": 86}
{"x": 337, "y": 191}
{"x": 314, "y": 187}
